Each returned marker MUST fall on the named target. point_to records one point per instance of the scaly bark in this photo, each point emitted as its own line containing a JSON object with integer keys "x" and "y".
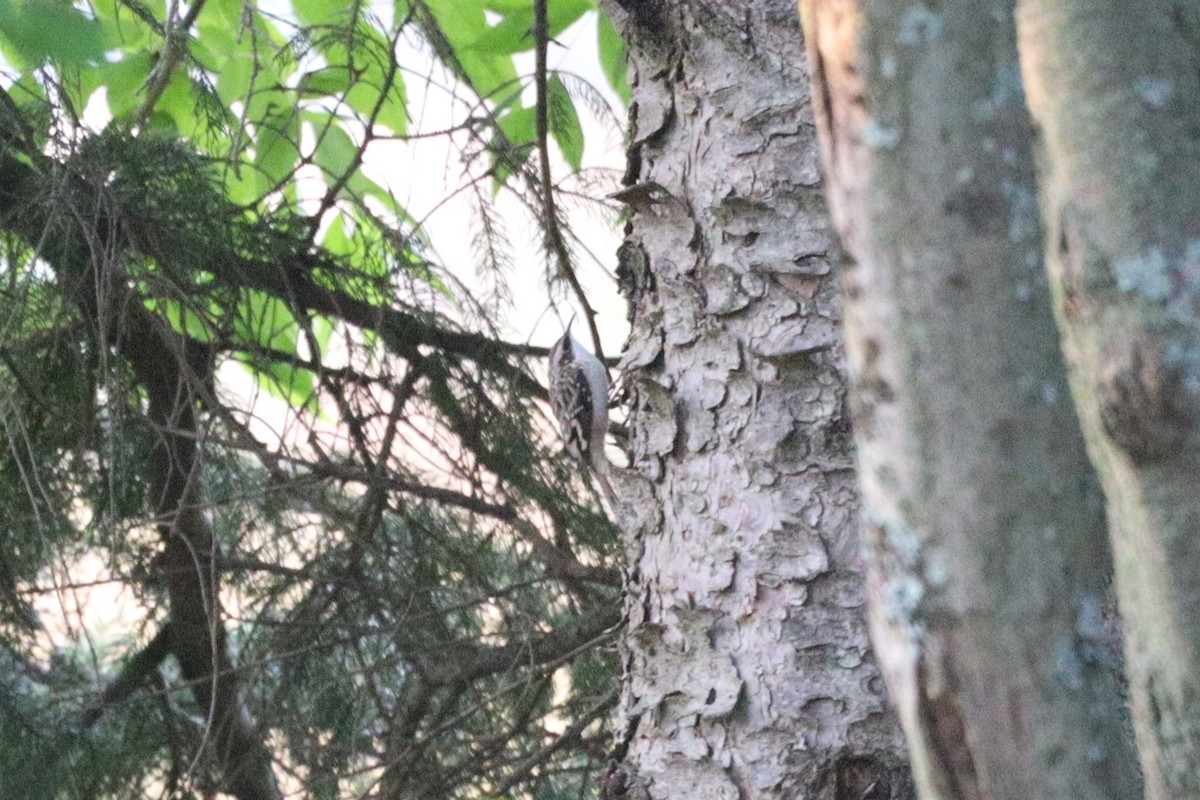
{"x": 749, "y": 672}
{"x": 1115, "y": 92}
{"x": 985, "y": 524}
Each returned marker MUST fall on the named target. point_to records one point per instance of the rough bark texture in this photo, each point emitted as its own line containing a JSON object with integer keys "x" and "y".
{"x": 985, "y": 524}
{"x": 749, "y": 669}
{"x": 1116, "y": 96}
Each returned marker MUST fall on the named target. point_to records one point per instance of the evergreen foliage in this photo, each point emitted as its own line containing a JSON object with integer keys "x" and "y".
{"x": 283, "y": 512}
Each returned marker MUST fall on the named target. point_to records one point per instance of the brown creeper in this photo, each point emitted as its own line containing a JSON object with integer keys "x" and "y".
{"x": 579, "y": 397}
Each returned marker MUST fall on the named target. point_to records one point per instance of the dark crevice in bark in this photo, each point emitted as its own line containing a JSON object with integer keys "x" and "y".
{"x": 646, "y": 14}
{"x": 1145, "y": 407}
{"x": 943, "y": 720}
{"x": 871, "y": 777}
{"x": 823, "y": 85}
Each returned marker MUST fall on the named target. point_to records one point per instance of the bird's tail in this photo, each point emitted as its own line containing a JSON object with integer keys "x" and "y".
{"x": 606, "y": 489}
{"x": 600, "y": 466}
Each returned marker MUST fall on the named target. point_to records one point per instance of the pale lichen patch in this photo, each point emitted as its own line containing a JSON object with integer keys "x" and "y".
{"x": 1024, "y": 216}
{"x": 1068, "y": 668}
{"x": 900, "y": 601}
{"x": 918, "y": 26}
{"x": 1006, "y": 91}
{"x": 880, "y": 136}
{"x": 1089, "y": 618}
{"x": 903, "y": 540}
{"x": 1154, "y": 90}
{"x": 1146, "y": 274}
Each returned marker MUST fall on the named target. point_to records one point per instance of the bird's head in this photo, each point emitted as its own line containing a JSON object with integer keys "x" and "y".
{"x": 562, "y": 348}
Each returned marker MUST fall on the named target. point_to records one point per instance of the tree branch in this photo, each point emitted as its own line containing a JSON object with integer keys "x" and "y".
{"x": 477, "y": 662}
{"x": 78, "y": 238}
{"x": 133, "y": 675}
{"x": 550, "y": 224}
{"x": 570, "y": 735}
{"x": 174, "y": 47}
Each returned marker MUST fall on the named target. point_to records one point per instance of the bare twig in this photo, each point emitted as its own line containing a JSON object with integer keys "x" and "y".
{"x": 174, "y": 48}
{"x": 136, "y": 672}
{"x": 568, "y": 736}
{"x": 550, "y": 225}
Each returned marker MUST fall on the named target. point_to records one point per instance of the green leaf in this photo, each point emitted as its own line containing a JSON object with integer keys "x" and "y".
{"x": 328, "y": 81}
{"x": 269, "y": 71}
{"x": 322, "y": 330}
{"x": 519, "y": 125}
{"x": 520, "y": 129}
{"x": 234, "y": 77}
{"x": 360, "y": 186}
{"x": 337, "y": 240}
{"x": 276, "y": 150}
{"x": 228, "y": 57}
{"x": 372, "y": 51}
{"x": 26, "y": 89}
{"x": 162, "y": 123}
{"x": 463, "y": 24}
{"x": 313, "y": 13}
{"x": 296, "y": 385}
{"x": 612, "y": 57}
{"x": 123, "y": 80}
{"x": 228, "y": 11}
{"x": 182, "y": 320}
{"x": 260, "y": 319}
{"x": 561, "y": 14}
{"x": 336, "y": 152}
{"x": 53, "y": 29}
{"x": 513, "y": 34}
{"x": 564, "y": 122}
{"x": 265, "y": 321}
{"x": 123, "y": 29}
{"x": 179, "y": 103}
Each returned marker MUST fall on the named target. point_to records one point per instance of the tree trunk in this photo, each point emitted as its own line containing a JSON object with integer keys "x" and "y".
{"x": 196, "y": 630}
{"x": 749, "y": 673}
{"x": 175, "y": 377}
{"x": 986, "y": 531}
{"x": 1116, "y": 95}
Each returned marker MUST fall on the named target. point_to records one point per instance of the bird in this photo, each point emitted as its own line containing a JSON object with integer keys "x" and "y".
{"x": 579, "y": 399}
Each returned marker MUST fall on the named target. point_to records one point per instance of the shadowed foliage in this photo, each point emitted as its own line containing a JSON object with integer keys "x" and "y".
{"x": 283, "y": 511}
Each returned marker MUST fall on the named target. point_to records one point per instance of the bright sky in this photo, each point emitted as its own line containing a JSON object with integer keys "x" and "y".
{"x": 430, "y": 169}
{"x": 422, "y": 173}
